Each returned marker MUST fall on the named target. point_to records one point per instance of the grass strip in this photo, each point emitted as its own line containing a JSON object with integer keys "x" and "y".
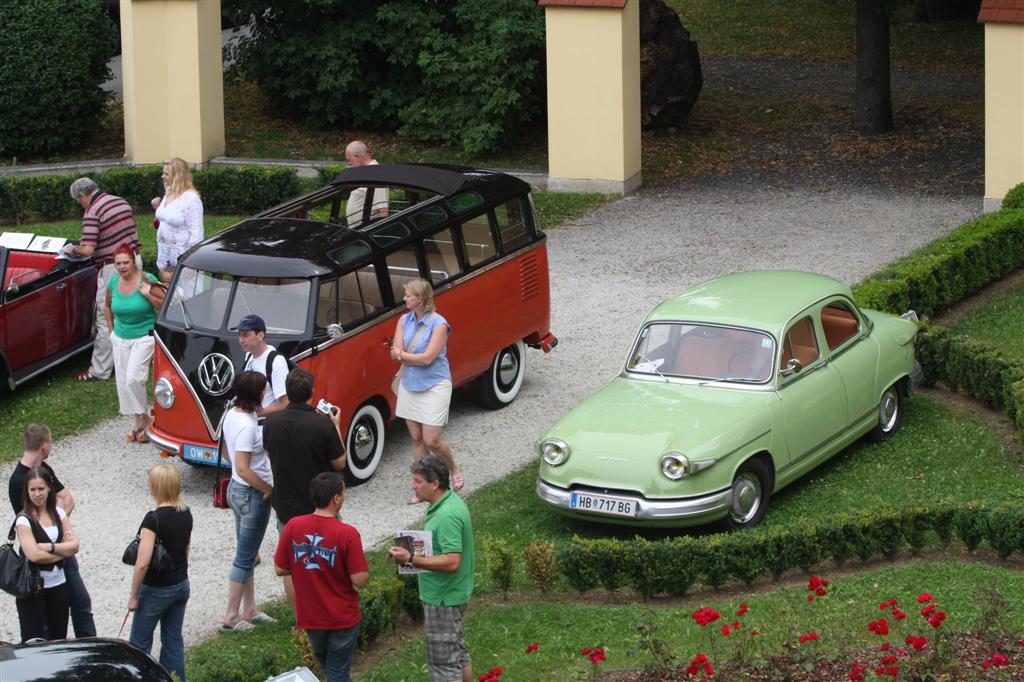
{"x": 997, "y": 322}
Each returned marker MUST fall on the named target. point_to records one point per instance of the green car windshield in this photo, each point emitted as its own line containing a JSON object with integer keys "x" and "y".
{"x": 705, "y": 352}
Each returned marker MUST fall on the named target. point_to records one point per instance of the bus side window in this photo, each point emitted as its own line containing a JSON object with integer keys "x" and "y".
{"x": 442, "y": 260}
{"x": 511, "y": 225}
{"x": 478, "y": 240}
{"x": 356, "y": 296}
{"x": 402, "y": 269}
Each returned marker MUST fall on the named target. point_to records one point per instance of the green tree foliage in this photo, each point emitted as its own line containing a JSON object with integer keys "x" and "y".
{"x": 55, "y": 55}
{"x": 462, "y": 72}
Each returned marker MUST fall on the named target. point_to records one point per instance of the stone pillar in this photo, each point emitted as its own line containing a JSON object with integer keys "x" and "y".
{"x": 173, "y": 80}
{"x": 1004, "y": 98}
{"x": 593, "y": 70}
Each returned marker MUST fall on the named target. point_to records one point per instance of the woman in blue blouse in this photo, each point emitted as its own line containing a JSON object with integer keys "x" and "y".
{"x": 425, "y": 390}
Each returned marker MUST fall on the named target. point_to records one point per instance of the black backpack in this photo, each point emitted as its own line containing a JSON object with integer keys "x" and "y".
{"x": 270, "y": 364}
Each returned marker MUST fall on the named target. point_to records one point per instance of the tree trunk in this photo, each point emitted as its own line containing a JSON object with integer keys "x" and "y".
{"x": 873, "y": 98}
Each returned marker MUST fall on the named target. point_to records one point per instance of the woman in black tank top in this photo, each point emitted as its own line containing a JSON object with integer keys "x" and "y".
{"x": 45, "y": 538}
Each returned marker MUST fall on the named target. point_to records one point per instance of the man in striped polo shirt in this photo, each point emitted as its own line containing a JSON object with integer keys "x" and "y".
{"x": 108, "y": 223}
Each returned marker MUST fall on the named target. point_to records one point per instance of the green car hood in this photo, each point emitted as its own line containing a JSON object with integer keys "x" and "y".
{"x": 617, "y": 436}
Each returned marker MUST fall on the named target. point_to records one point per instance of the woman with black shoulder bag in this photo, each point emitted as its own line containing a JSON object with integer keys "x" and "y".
{"x": 46, "y": 539}
{"x": 160, "y": 592}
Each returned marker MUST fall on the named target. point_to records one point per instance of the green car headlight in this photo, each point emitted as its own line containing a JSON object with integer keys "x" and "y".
{"x": 673, "y": 465}
{"x": 554, "y": 451}
{"x": 163, "y": 392}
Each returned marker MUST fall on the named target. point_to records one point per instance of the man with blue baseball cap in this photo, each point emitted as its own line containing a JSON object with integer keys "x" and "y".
{"x": 263, "y": 358}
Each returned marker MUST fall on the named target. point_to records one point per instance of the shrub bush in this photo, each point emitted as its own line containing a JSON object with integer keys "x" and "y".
{"x": 945, "y": 271}
{"x": 55, "y": 55}
{"x": 541, "y": 563}
{"x": 466, "y": 72}
{"x": 671, "y": 566}
{"x": 500, "y": 564}
{"x": 1015, "y": 197}
{"x": 244, "y": 189}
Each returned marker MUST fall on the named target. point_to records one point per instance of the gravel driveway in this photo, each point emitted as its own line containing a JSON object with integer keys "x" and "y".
{"x": 607, "y": 270}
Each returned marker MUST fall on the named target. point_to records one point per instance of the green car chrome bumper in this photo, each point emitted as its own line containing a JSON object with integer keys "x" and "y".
{"x": 690, "y": 511}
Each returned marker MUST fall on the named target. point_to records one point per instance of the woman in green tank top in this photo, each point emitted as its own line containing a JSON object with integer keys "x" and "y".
{"x": 131, "y": 314}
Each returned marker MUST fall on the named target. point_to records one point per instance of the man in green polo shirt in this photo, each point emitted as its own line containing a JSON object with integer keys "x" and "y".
{"x": 447, "y": 579}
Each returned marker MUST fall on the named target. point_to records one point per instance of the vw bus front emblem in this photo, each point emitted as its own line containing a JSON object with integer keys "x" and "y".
{"x": 216, "y": 374}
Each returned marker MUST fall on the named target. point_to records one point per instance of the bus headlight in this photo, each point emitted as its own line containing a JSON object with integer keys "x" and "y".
{"x": 163, "y": 393}
{"x": 554, "y": 451}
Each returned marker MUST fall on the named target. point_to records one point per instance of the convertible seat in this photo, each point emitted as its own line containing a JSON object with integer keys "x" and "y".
{"x": 26, "y": 266}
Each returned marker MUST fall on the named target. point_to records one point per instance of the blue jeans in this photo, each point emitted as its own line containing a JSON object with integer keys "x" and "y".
{"x": 164, "y": 605}
{"x": 81, "y": 603}
{"x": 334, "y": 649}
{"x": 251, "y": 517}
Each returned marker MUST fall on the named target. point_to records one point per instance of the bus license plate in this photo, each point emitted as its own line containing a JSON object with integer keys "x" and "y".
{"x": 599, "y": 504}
{"x": 199, "y": 454}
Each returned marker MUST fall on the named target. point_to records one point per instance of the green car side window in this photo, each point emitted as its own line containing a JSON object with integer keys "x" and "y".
{"x": 801, "y": 343}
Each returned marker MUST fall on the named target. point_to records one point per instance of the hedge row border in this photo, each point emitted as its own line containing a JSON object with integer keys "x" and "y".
{"x": 674, "y": 565}
{"x": 224, "y": 189}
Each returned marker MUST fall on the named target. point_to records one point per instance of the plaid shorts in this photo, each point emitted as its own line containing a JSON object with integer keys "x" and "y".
{"x": 446, "y": 643}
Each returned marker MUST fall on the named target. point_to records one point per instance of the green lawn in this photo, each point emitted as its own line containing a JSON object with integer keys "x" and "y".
{"x": 998, "y": 323}
{"x": 497, "y": 634}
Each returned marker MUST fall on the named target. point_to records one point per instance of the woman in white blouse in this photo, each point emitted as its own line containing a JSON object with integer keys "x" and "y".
{"x": 180, "y": 213}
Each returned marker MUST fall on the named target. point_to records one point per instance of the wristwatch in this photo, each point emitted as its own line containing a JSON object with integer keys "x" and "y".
{"x": 408, "y": 563}
{"x": 53, "y": 548}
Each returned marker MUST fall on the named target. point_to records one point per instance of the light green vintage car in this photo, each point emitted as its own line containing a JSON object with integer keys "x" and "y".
{"x": 732, "y": 390}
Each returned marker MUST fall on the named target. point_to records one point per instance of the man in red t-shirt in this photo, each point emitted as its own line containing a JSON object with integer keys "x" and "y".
{"x": 325, "y": 560}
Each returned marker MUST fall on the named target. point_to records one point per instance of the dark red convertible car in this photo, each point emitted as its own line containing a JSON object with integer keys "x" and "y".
{"x": 45, "y": 308}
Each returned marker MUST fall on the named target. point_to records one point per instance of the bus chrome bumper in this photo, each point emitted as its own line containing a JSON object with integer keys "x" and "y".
{"x": 689, "y": 511}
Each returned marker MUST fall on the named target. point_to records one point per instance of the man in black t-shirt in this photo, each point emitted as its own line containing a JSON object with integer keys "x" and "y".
{"x": 301, "y": 443}
{"x": 38, "y": 443}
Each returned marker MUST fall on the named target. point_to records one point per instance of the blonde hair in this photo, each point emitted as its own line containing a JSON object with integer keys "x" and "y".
{"x": 181, "y": 176}
{"x": 425, "y": 291}
{"x": 165, "y": 485}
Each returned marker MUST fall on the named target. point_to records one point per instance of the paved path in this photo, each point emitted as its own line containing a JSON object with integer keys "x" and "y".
{"x": 608, "y": 269}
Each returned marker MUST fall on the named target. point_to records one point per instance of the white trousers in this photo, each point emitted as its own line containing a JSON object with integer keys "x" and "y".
{"x": 102, "y": 361}
{"x": 131, "y": 370}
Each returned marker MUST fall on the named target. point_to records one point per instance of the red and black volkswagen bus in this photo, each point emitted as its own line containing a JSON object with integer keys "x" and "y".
{"x": 330, "y": 287}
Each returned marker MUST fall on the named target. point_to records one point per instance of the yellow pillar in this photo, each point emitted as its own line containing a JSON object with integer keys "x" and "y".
{"x": 593, "y": 69}
{"x": 1004, "y": 110}
{"x": 173, "y": 80}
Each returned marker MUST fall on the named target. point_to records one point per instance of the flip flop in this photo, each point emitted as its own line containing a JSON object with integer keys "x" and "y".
{"x": 261, "y": 617}
{"x": 458, "y": 481}
{"x": 141, "y": 437}
{"x": 240, "y": 626}
{"x": 132, "y": 437}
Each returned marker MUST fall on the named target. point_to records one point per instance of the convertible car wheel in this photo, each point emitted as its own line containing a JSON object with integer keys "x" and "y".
{"x": 500, "y": 384}
{"x": 890, "y": 414}
{"x": 751, "y": 490}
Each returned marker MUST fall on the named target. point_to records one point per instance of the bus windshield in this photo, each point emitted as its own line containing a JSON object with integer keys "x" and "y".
{"x": 213, "y": 301}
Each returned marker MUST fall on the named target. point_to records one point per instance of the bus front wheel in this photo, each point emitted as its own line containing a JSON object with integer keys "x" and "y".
{"x": 364, "y": 444}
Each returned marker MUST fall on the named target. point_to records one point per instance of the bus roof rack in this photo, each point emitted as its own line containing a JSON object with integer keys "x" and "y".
{"x": 439, "y": 179}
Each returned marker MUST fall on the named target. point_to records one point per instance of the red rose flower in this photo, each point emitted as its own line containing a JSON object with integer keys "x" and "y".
{"x": 586, "y": 652}
{"x": 705, "y": 615}
{"x": 923, "y": 597}
{"x": 809, "y": 636}
{"x": 885, "y": 646}
{"x": 743, "y": 610}
{"x": 530, "y": 648}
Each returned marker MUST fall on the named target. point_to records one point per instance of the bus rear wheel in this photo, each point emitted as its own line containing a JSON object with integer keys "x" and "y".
{"x": 500, "y": 384}
{"x": 364, "y": 444}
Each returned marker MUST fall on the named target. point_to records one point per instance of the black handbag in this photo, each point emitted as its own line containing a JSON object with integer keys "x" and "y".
{"x": 17, "y": 575}
{"x": 161, "y": 560}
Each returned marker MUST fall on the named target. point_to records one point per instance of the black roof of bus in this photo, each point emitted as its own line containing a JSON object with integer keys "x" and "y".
{"x": 271, "y": 246}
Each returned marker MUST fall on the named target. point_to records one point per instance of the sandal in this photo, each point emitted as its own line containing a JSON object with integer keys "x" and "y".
{"x": 240, "y": 626}
{"x": 140, "y": 436}
{"x": 413, "y": 500}
{"x": 458, "y": 481}
{"x": 86, "y": 376}
{"x": 132, "y": 437}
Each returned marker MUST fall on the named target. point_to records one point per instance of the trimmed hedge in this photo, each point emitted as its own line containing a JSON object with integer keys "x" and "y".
{"x": 226, "y": 189}
{"x": 673, "y": 565}
{"x": 976, "y": 367}
{"x": 944, "y": 272}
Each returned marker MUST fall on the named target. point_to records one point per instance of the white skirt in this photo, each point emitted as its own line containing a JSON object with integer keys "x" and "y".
{"x": 428, "y": 407}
